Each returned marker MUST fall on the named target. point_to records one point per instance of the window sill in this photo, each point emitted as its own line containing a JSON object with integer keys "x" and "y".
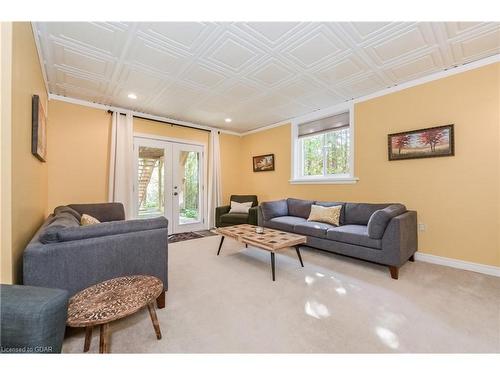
{"x": 333, "y": 180}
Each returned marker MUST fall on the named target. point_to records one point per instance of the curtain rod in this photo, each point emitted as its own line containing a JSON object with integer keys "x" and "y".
{"x": 164, "y": 122}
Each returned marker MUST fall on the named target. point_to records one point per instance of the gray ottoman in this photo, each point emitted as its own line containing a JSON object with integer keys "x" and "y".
{"x": 33, "y": 319}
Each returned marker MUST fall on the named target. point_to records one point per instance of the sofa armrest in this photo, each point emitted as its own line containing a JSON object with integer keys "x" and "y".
{"x": 220, "y": 211}
{"x": 253, "y": 213}
{"x": 101, "y": 211}
{"x": 76, "y": 265}
{"x": 400, "y": 240}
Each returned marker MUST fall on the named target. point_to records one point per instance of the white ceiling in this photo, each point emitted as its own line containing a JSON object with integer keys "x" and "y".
{"x": 255, "y": 73}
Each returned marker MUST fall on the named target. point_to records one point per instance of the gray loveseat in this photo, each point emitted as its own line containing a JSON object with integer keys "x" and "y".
{"x": 65, "y": 255}
{"x": 381, "y": 233}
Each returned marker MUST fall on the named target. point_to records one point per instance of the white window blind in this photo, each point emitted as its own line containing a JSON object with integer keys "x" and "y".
{"x": 335, "y": 122}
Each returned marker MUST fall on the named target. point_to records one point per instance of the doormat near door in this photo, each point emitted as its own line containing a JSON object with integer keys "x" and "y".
{"x": 189, "y": 236}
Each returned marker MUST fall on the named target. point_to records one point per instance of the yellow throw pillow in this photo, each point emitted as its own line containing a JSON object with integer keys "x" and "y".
{"x": 329, "y": 215}
{"x": 88, "y": 220}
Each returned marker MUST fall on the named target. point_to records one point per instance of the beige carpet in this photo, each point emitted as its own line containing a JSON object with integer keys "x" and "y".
{"x": 335, "y": 304}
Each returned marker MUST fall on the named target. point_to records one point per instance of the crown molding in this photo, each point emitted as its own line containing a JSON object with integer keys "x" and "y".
{"x": 135, "y": 113}
{"x": 403, "y": 86}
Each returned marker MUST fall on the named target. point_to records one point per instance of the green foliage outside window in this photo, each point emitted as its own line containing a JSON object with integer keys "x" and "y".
{"x": 331, "y": 147}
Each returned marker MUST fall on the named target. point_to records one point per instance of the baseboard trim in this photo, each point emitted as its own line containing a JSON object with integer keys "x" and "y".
{"x": 460, "y": 264}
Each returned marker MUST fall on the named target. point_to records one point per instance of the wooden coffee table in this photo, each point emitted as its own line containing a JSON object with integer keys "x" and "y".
{"x": 271, "y": 240}
{"x": 111, "y": 300}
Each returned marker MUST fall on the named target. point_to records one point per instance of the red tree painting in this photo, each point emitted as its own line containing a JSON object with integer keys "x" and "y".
{"x": 432, "y": 138}
{"x": 400, "y": 142}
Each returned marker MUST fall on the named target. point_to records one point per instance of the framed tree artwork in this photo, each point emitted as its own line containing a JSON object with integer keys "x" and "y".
{"x": 422, "y": 143}
{"x": 263, "y": 163}
{"x": 38, "y": 129}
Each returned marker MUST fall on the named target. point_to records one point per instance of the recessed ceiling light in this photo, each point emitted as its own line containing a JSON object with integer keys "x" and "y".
{"x": 228, "y": 120}
{"x": 132, "y": 96}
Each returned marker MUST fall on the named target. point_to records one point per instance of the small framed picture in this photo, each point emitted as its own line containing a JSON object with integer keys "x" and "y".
{"x": 422, "y": 143}
{"x": 38, "y": 129}
{"x": 263, "y": 163}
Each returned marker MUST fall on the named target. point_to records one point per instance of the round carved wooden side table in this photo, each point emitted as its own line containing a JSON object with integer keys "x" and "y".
{"x": 111, "y": 300}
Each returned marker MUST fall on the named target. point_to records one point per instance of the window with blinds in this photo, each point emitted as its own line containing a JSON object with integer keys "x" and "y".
{"x": 324, "y": 147}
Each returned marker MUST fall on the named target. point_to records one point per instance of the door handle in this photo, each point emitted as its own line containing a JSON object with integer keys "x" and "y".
{"x": 175, "y": 193}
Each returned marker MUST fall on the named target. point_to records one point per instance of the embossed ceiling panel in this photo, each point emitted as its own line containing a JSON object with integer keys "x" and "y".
{"x": 257, "y": 73}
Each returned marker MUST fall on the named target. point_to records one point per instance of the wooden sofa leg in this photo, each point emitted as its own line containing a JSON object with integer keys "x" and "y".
{"x": 160, "y": 301}
{"x": 394, "y": 272}
{"x": 412, "y": 258}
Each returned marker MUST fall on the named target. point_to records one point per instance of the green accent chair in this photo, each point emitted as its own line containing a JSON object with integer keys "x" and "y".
{"x": 224, "y": 219}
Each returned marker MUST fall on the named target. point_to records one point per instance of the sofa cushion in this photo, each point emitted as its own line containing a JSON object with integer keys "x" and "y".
{"x": 274, "y": 209}
{"x": 234, "y": 219}
{"x": 112, "y": 228}
{"x": 353, "y": 234}
{"x": 103, "y": 212}
{"x": 67, "y": 209}
{"x": 331, "y": 204}
{"x": 245, "y": 198}
{"x": 299, "y": 207}
{"x": 312, "y": 228}
{"x": 285, "y": 223}
{"x": 360, "y": 213}
{"x": 380, "y": 218}
{"x": 50, "y": 232}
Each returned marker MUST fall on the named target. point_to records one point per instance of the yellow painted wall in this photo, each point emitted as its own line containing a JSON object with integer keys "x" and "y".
{"x": 5, "y": 152}
{"x": 29, "y": 175}
{"x": 78, "y": 146}
{"x": 79, "y": 141}
{"x": 230, "y": 151}
{"x": 456, "y": 197}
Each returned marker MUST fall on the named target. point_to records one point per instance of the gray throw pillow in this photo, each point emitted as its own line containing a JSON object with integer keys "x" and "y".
{"x": 381, "y": 218}
{"x": 50, "y": 233}
{"x": 69, "y": 210}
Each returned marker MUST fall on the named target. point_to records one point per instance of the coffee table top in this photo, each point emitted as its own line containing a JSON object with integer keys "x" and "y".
{"x": 112, "y": 299}
{"x": 271, "y": 239}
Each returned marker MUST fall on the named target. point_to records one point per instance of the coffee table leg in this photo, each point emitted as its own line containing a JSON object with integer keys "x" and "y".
{"x": 220, "y": 245}
{"x": 297, "y": 248}
{"x": 272, "y": 264}
{"x": 88, "y": 338}
{"x": 154, "y": 319}
{"x": 104, "y": 339}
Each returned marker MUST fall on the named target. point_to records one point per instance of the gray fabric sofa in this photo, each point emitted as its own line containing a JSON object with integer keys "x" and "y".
{"x": 65, "y": 255}
{"x": 381, "y": 233}
{"x": 33, "y": 319}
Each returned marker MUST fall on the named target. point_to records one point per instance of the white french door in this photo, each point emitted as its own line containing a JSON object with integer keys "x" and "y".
{"x": 169, "y": 180}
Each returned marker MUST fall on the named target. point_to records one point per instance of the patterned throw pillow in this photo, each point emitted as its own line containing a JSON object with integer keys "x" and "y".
{"x": 88, "y": 220}
{"x": 329, "y": 215}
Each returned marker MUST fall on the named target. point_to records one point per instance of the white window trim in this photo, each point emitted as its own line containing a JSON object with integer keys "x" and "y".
{"x": 296, "y": 177}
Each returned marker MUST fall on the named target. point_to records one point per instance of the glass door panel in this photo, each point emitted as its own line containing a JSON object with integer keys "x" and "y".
{"x": 151, "y": 182}
{"x": 187, "y": 190}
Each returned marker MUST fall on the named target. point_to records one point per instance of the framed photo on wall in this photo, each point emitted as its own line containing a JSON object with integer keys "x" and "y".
{"x": 38, "y": 129}
{"x": 422, "y": 143}
{"x": 263, "y": 163}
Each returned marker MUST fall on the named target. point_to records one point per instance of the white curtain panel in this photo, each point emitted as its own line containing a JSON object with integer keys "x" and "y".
{"x": 214, "y": 178}
{"x": 121, "y": 161}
